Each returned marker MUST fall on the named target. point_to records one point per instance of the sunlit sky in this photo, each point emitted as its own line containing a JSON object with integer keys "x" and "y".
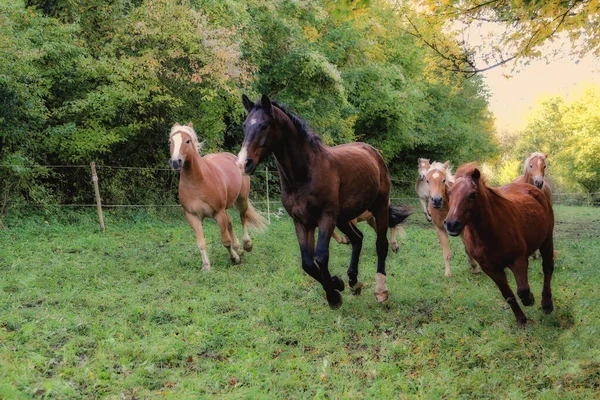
{"x": 511, "y": 99}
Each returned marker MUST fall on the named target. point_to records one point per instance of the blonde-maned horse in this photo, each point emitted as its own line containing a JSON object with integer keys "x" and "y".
{"x": 368, "y": 216}
{"x": 208, "y": 186}
{"x": 422, "y": 188}
{"x": 439, "y": 178}
{"x": 534, "y": 173}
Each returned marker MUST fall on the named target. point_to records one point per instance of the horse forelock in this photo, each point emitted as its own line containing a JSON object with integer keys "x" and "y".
{"x": 531, "y": 157}
{"x": 190, "y": 131}
{"x": 438, "y": 166}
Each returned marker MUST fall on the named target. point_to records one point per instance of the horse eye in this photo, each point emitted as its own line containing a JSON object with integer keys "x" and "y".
{"x": 444, "y": 181}
{"x": 531, "y": 166}
{"x": 187, "y": 142}
{"x": 427, "y": 180}
{"x": 472, "y": 196}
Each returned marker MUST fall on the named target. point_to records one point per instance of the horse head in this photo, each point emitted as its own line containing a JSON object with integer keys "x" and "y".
{"x": 261, "y": 132}
{"x": 465, "y": 190}
{"x": 439, "y": 178}
{"x": 535, "y": 166}
{"x": 423, "y": 168}
{"x": 184, "y": 143}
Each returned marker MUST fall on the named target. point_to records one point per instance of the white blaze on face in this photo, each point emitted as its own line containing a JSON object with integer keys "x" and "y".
{"x": 436, "y": 175}
{"x": 177, "y": 139}
{"x": 242, "y": 157}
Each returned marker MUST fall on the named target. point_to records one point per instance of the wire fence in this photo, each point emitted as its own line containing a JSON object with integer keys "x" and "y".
{"x": 264, "y": 201}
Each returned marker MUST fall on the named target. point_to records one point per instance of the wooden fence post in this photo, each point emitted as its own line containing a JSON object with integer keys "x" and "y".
{"x": 268, "y": 204}
{"x": 97, "y": 192}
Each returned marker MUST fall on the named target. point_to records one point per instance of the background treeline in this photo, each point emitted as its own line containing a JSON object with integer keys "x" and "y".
{"x": 103, "y": 81}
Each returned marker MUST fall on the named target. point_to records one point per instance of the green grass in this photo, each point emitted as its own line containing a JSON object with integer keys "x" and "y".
{"x": 128, "y": 314}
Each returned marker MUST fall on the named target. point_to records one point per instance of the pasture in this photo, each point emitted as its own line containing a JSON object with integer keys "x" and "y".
{"x": 129, "y": 314}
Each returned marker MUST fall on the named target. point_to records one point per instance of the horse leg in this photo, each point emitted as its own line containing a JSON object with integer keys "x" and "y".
{"x": 306, "y": 240}
{"x": 356, "y": 239}
{"x": 547, "y": 250}
{"x": 223, "y": 220}
{"x": 332, "y": 285}
{"x": 394, "y": 240}
{"x": 425, "y": 209}
{"x": 381, "y": 214}
{"x": 340, "y": 239}
{"x": 474, "y": 266}
{"x": 499, "y": 277}
{"x": 519, "y": 269}
{"x": 196, "y": 224}
{"x": 235, "y": 244}
{"x": 241, "y": 204}
{"x": 443, "y": 238}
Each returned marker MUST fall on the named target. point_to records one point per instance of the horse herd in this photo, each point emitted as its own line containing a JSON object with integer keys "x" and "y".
{"x": 325, "y": 188}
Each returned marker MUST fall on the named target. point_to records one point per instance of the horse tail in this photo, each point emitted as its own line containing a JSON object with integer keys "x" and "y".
{"x": 254, "y": 219}
{"x": 397, "y": 215}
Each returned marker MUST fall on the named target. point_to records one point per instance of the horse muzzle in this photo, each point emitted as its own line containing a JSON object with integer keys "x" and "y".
{"x": 437, "y": 202}
{"x": 176, "y": 164}
{"x": 250, "y": 167}
{"x": 539, "y": 183}
{"x": 454, "y": 228}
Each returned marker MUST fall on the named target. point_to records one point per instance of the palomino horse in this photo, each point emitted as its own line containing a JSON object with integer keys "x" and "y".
{"x": 502, "y": 228}
{"x": 422, "y": 188}
{"x": 368, "y": 216}
{"x": 322, "y": 187}
{"x": 208, "y": 186}
{"x": 534, "y": 173}
{"x": 439, "y": 178}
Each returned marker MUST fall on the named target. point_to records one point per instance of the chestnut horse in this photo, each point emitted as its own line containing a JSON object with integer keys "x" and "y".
{"x": 439, "y": 178}
{"x": 534, "y": 173}
{"x": 208, "y": 186}
{"x": 422, "y": 188}
{"x": 368, "y": 216}
{"x": 502, "y": 228}
{"x": 322, "y": 187}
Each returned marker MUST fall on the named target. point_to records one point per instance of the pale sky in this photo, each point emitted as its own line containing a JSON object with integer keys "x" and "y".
{"x": 512, "y": 98}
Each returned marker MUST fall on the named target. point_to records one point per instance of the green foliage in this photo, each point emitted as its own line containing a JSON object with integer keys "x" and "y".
{"x": 103, "y": 81}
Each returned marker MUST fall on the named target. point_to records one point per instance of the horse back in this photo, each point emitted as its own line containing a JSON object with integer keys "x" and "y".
{"x": 225, "y": 174}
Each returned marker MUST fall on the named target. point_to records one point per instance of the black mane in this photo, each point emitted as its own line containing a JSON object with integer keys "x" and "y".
{"x": 300, "y": 124}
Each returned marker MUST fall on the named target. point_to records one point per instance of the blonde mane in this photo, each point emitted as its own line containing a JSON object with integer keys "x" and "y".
{"x": 190, "y": 131}
{"x": 438, "y": 166}
{"x": 531, "y": 157}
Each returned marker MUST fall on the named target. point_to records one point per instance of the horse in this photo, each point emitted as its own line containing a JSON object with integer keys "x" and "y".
{"x": 534, "y": 173}
{"x": 502, "y": 228}
{"x": 322, "y": 187}
{"x": 368, "y": 216}
{"x": 439, "y": 178}
{"x": 422, "y": 188}
{"x": 208, "y": 186}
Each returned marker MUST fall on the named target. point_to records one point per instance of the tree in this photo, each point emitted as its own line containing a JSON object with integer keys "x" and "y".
{"x": 517, "y": 29}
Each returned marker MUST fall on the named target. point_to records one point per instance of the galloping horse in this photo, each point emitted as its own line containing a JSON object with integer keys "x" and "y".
{"x": 534, "y": 173}
{"x": 439, "y": 178}
{"x": 422, "y": 188}
{"x": 208, "y": 186}
{"x": 502, "y": 228}
{"x": 322, "y": 187}
{"x": 368, "y": 216}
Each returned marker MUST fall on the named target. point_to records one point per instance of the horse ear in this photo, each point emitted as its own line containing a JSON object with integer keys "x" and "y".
{"x": 447, "y": 164}
{"x": 546, "y": 155}
{"x": 265, "y": 102}
{"x": 528, "y": 154}
{"x": 248, "y": 104}
{"x": 190, "y": 124}
{"x": 476, "y": 175}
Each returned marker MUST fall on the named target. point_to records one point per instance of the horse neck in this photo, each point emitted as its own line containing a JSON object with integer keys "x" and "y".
{"x": 485, "y": 222}
{"x": 193, "y": 169}
{"x": 294, "y": 156}
{"x": 527, "y": 177}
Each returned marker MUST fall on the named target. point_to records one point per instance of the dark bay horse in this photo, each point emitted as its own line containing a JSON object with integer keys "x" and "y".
{"x": 208, "y": 186}
{"x": 322, "y": 187}
{"x": 502, "y": 228}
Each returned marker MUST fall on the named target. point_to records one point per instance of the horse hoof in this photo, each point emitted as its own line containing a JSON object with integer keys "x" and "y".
{"x": 206, "y": 268}
{"x": 345, "y": 240}
{"x": 547, "y": 307}
{"x": 334, "y": 299}
{"x": 395, "y": 248}
{"x": 248, "y": 246}
{"x": 356, "y": 290}
{"x": 382, "y": 297}
{"x": 448, "y": 274}
{"x": 235, "y": 260}
{"x": 475, "y": 270}
{"x": 521, "y": 323}
{"x": 530, "y": 300}
{"x": 428, "y": 218}
{"x": 338, "y": 283}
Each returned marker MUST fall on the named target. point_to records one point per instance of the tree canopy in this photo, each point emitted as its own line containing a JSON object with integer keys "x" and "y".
{"x": 104, "y": 81}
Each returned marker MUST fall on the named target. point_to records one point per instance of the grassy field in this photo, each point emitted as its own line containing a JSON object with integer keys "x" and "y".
{"x": 128, "y": 314}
